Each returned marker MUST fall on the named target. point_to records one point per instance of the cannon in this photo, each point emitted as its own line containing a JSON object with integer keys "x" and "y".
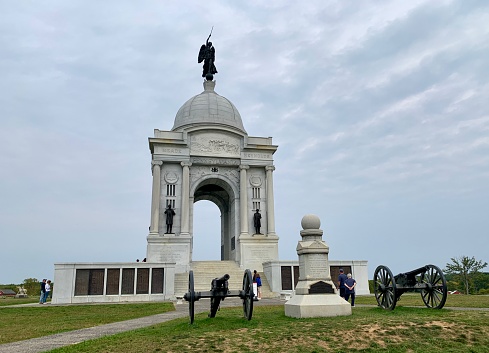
{"x": 220, "y": 291}
{"x": 428, "y": 280}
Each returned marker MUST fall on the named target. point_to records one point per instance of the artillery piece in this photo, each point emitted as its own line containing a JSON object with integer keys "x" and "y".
{"x": 428, "y": 280}
{"x": 220, "y": 291}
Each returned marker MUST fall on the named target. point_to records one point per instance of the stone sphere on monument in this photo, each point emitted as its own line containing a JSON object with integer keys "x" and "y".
{"x": 310, "y": 221}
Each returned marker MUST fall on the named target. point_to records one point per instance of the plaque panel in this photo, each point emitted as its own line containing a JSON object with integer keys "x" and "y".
{"x": 96, "y": 284}
{"x": 157, "y": 278}
{"x": 286, "y": 273}
{"x": 81, "y": 282}
{"x": 296, "y": 275}
{"x": 142, "y": 284}
{"x": 113, "y": 275}
{"x": 128, "y": 281}
{"x": 321, "y": 288}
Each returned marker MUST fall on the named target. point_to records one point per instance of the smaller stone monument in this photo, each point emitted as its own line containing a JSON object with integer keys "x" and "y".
{"x": 22, "y": 292}
{"x": 315, "y": 293}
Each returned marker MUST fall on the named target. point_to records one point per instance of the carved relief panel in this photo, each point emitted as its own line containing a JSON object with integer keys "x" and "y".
{"x": 215, "y": 144}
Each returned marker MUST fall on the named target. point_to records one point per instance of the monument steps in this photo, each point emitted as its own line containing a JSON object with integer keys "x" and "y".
{"x": 206, "y": 271}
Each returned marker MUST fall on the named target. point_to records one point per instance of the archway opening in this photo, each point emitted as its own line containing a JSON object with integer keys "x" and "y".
{"x": 206, "y": 232}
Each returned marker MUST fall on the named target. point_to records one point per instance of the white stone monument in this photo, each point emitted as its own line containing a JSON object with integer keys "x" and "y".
{"x": 315, "y": 293}
{"x": 209, "y": 156}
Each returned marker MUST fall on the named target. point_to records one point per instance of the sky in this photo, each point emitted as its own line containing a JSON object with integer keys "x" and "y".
{"x": 380, "y": 110}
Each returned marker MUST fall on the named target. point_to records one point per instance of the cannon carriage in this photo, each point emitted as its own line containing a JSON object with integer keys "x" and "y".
{"x": 220, "y": 291}
{"x": 428, "y": 280}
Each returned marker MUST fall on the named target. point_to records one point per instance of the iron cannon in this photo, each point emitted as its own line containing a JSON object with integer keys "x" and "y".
{"x": 428, "y": 280}
{"x": 220, "y": 291}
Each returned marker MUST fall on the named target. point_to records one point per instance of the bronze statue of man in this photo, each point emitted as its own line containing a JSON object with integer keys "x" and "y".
{"x": 257, "y": 221}
{"x": 207, "y": 54}
{"x": 169, "y": 219}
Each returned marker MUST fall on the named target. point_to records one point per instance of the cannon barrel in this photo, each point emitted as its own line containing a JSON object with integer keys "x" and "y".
{"x": 220, "y": 282}
{"x": 414, "y": 272}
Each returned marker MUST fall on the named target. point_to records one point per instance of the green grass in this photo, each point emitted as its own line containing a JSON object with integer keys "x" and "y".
{"x": 29, "y": 322}
{"x": 369, "y": 329}
{"x": 414, "y": 299}
{"x": 5, "y": 301}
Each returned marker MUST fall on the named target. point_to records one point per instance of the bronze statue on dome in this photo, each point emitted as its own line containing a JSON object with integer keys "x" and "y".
{"x": 207, "y": 54}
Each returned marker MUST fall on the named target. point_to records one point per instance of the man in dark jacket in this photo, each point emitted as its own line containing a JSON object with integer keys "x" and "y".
{"x": 43, "y": 290}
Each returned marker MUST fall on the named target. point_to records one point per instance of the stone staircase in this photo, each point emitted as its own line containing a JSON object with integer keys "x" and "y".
{"x": 206, "y": 271}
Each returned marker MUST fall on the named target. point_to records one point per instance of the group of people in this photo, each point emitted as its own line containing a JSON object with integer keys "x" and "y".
{"x": 347, "y": 285}
{"x": 45, "y": 291}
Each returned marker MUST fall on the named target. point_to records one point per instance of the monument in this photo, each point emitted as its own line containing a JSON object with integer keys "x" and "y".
{"x": 315, "y": 293}
{"x": 208, "y": 155}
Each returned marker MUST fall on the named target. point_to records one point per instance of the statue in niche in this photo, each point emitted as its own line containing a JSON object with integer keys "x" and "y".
{"x": 257, "y": 221}
{"x": 207, "y": 54}
{"x": 169, "y": 219}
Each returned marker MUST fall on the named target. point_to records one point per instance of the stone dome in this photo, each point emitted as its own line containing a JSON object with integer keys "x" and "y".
{"x": 208, "y": 108}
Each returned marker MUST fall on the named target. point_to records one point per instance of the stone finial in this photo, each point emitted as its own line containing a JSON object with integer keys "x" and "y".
{"x": 310, "y": 221}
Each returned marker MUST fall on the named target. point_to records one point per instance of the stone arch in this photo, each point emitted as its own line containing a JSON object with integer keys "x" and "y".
{"x": 221, "y": 191}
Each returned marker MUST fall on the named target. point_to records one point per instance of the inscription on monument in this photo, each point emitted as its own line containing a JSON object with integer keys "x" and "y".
{"x": 316, "y": 266}
{"x": 258, "y": 155}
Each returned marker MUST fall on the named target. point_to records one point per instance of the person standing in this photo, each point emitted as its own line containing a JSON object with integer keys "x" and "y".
{"x": 350, "y": 284}
{"x": 257, "y": 279}
{"x": 341, "y": 283}
{"x": 47, "y": 291}
{"x": 43, "y": 290}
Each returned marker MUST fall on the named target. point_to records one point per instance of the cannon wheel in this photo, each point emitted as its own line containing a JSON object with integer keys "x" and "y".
{"x": 435, "y": 295}
{"x": 385, "y": 288}
{"x": 248, "y": 294}
{"x": 191, "y": 296}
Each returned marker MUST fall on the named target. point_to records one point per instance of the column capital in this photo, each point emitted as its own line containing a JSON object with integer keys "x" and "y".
{"x": 158, "y": 163}
{"x": 244, "y": 166}
{"x": 270, "y": 167}
{"x": 186, "y": 164}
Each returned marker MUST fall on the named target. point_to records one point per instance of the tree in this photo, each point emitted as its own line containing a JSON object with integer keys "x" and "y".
{"x": 465, "y": 269}
{"x": 32, "y": 286}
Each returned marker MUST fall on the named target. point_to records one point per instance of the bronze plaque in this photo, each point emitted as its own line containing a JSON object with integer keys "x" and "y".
{"x": 81, "y": 282}
{"x": 96, "y": 286}
{"x": 157, "y": 280}
{"x": 128, "y": 281}
{"x": 112, "y": 287}
{"x": 286, "y": 273}
{"x": 142, "y": 285}
{"x": 296, "y": 275}
{"x": 321, "y": 288}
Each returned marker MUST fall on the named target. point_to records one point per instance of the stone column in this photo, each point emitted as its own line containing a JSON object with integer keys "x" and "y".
{"x": 270, "y": 203}
{"x": 185, "y": 198}
{"x": 155, "y": 199}
{"x": 243, "y": 198}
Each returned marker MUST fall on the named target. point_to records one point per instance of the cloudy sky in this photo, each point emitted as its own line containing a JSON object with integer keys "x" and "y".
{"x": 380, "y": 110}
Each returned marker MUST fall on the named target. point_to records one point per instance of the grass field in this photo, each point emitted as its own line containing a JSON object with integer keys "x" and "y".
{"x": 369, "y": 329}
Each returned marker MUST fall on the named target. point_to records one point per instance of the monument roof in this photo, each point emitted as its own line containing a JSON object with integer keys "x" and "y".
{"x": 208, "y": 108}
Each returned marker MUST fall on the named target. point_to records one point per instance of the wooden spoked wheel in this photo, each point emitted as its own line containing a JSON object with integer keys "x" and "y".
{"x": 435, "y": 294}
{"x": 248, "y": 295}
{"x": 191, "y": 296}
{"x": 385, "y": 288}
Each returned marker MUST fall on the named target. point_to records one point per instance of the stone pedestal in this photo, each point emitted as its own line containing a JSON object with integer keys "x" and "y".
{"x": 257, "y": 249}
{"x": 315, "y": 293}
{"x": 170, "y": 249}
